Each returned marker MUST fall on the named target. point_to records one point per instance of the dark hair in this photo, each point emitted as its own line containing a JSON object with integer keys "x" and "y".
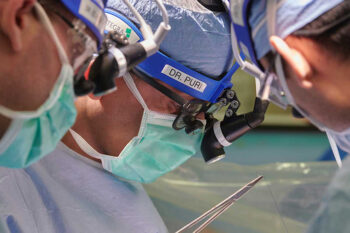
{"x": 331, "y": 30}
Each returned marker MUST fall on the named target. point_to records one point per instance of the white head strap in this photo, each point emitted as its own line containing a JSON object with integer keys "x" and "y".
{"x": 132, "y": 87}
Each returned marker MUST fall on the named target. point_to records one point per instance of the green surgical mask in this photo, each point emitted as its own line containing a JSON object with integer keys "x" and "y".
{"x": 33, "y": 134}
{"x": 155, "y": 151}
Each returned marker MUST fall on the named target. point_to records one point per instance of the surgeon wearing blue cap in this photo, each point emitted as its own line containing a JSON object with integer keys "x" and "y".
{"x": 306, "y": 45}
{"x": 92, "y": 181}
{"x": 42, "y": 44}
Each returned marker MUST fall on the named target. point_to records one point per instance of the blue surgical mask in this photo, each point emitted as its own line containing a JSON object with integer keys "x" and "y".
{"x": 33, "y": 134}
{"x": 155, "y": 151}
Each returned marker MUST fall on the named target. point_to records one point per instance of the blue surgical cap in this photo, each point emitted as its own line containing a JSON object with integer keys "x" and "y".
{"x": 291, "y": 15}
{"x": 199, "y": 38}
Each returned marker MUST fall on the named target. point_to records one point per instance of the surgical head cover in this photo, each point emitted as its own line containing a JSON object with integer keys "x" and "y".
{"x": 199, "y": 38}
{"x": 291, "y": 15}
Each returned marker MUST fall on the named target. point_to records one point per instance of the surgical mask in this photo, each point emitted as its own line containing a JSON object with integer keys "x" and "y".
{"x": 33, "y": 134}
{"x": 155, "y": 151}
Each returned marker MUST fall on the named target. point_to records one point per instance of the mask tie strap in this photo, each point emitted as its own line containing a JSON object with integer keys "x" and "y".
{"x": 132, "y": 87}
{"x": 48, "y": 25}
{"x": 334, "y": 149}
{"x": 84, "y": 146}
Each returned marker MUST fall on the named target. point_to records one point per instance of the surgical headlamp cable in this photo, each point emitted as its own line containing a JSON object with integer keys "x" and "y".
{"x": 118, "y": 56}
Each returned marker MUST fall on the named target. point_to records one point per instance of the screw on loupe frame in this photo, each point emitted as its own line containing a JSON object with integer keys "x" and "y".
{"x": 230, "y": 94}
{"x": 229, "y": 113}
{"x": 235, "y": 104}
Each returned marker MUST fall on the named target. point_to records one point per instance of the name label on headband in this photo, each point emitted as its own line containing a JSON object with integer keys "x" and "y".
{"x": 184, "y": 78}
{"x": 116, "y": 24}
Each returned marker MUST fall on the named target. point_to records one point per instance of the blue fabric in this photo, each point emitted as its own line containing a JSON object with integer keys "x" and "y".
{"x": 328, "y": 155}
{"x": 291, "y": 16}
{"x": 199, "y": 39}
{"x": 65, "y": 192}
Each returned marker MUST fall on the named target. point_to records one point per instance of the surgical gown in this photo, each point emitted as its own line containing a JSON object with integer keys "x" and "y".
{"x": 65, "y": 192}
{"x": 333, "y": 215}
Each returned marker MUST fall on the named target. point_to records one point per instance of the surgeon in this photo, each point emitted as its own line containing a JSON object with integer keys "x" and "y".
{"x": 42, "y": 44}
{"x": 92, "y": 181}
{"x": 305, "y": 47}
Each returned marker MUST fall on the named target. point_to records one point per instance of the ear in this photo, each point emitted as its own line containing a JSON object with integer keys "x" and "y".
{"x": 298, "y": 63}
{"x": 12, "y": 20}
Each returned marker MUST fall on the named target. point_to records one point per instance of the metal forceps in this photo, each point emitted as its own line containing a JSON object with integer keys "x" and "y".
{"x": 220, "y": 208}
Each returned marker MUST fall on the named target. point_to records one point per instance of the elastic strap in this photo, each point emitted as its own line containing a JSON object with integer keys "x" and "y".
{"x": 84, "y": 146}
{"x": 334, "y": 149}
{"x": 44, "y": 18}
{"x": 132, "y": 87}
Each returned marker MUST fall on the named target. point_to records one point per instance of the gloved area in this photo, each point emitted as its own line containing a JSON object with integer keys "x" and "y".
{"x": 284, "y": 201}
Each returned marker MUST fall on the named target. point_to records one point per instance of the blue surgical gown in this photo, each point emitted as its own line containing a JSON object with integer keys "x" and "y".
{"x": 65, "y": 192}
